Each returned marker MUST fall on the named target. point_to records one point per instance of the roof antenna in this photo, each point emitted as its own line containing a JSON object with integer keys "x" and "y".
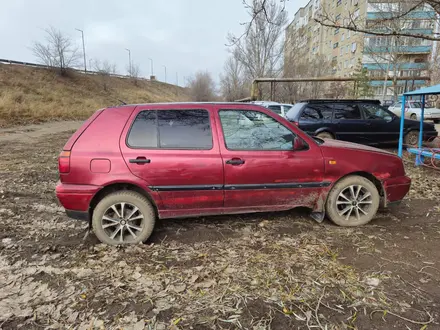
{"x": 122, "y": 102}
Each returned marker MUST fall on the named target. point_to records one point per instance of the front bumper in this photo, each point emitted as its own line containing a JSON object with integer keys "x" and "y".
{"x": 76, "y": 199}
{"x": 396, "y": 188}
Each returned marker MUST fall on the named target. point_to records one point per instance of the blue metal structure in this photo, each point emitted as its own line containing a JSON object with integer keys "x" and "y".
{"x": 433, "y": 90}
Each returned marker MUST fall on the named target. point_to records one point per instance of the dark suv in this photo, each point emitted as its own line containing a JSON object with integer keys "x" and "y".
{"x": 360, "y": 121}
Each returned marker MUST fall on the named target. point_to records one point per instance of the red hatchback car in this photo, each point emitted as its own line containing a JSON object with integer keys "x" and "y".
{"x": 130, "y": 165}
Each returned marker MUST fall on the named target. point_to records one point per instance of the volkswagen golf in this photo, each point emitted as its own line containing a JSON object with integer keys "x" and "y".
{"x": 131, "y": 165}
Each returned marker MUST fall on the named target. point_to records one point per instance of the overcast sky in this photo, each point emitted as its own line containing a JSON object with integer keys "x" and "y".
{"x": 184, "y": 35}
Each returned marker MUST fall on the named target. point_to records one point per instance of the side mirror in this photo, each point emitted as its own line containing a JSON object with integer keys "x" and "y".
{"x": 298, "y": 144}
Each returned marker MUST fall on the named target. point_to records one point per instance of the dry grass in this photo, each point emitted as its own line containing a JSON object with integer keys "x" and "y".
{"x": 31, "y": 95}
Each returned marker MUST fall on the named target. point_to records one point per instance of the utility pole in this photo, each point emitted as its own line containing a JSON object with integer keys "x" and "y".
{"x": 152, "y": 67}
{"x": 165, "y": 72}
{"x": 129, "y": 61}
{"x": 84, "y": 50}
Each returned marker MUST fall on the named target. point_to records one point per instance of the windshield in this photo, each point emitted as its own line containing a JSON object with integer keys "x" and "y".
{"x": 294, "y": 112}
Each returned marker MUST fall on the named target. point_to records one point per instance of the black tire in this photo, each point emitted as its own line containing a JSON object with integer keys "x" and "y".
{"x": 368, "y": 199}
{"x": 413, "y": 116}
{"x": 133, "y": 231}
{"x": 325, "y": 135}
{"x": 411, "y": 138}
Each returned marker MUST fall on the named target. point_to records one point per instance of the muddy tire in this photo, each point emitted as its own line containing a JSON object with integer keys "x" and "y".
{"x": 122, "y": 218}
{"x": 411, "y": 138}
{"x": 325, "y": 135}
{"x": 353, "y": 201}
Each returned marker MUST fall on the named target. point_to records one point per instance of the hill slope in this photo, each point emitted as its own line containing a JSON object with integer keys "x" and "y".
{"x": 31, "y": 95}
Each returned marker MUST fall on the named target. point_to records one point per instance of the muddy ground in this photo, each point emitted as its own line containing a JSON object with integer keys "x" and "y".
{"x": 265, "y": 271}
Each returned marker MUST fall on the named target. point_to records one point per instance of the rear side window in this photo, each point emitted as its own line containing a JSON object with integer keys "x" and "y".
{"x": 316, "y": 112}
{"x": 171, "y": 129}
{"x": 347, "y": 111}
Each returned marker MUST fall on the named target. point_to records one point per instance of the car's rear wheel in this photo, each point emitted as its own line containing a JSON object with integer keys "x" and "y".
{"x": 413, "y": 116}
{"x": 124, "y": 217}
{"x": 353, "y": 201}
{"x": 325, "y": 135}
{"x": 411, "y": 138}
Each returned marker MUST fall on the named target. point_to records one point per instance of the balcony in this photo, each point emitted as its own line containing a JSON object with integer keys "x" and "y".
{"x": 399, "y": 49}
{"x": 400, "y": 66}
{"x": 377, "y": 83}
{"x": 413, "y": 14}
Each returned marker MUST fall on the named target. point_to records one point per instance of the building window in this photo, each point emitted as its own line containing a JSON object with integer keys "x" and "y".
{"x": 343, "y": 37}
{"x": 336, "y": 45}
{"x": 348, "y": 34}
{"x": 338, "y": 17}
{"x": 337, "y": 31}
{"x": 338, "y": 3}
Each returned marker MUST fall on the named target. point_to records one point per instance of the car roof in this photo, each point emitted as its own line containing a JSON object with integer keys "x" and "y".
{"x": 338, "y": 101}
{"x": 185, "y": 103}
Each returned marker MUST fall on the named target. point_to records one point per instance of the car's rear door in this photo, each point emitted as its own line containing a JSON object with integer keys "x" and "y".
{"x": 176, "y": 152}
{"x": 351, "y": 126}
{"x": 316, "y": 117}
{"x": 262, "y": 172}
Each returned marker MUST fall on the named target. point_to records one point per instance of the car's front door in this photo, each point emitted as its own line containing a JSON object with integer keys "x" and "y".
{"x": 350, "y": 124}
{"x": 382, "y": 127}
{"x": 174, "y": 151}
{"x": 262, "y": 171}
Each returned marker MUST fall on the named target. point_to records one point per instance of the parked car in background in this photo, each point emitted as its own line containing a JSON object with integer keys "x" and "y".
{"x": 360, "y": 121}
{"x": 278, "y": 108}
{"x": 129, "y": 166}
{"x": 413, "y": 110}
{"x": 388, "y": 103}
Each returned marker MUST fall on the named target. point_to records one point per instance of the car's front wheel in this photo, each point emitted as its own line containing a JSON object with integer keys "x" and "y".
{"x": 411, "y": 138}
{"x": 124, "y": 217}
{"x": 353, "y": 201}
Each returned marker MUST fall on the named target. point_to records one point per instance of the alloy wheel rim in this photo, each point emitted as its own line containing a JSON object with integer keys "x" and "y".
{"x": 354, "y": 202}
{"x": 123, "y": 222}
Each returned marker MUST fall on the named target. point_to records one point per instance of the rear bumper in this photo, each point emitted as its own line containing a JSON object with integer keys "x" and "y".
{"x": 396, "y": 188}
{"x": 74, "y": 197}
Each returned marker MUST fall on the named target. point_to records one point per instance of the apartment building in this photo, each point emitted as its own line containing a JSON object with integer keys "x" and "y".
{"x": 341, "y": 52}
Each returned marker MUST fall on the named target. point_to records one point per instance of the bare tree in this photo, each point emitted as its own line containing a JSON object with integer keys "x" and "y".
{"x": 353, "y": 22}
{"x": 58, "y": 51}
{"x": 134, "y": 72}
{"x": 260, "y": 48}
{"x": 202, "y": 87}
{"x": 233, "y": 84}
{"x": 104, "y": 69}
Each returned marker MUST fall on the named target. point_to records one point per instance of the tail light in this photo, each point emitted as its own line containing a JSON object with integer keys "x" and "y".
{"x": 64, "y": 162}
{"x": 295, "y": 123}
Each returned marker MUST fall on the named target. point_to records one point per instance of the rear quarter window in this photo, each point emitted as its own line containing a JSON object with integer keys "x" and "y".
{"x": 171, "y": 129}
{"x": 317, "y": 112}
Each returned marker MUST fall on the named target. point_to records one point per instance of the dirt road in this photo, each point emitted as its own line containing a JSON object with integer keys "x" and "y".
{"x": 267, "y": 271}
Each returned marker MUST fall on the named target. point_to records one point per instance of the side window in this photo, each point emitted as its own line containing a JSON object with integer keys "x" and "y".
{"x": 275, "y": 108}
{"x": 143, "y": 132}
{"x": 184, "y": 129}
{"x": 171, "y": 129}
{"x": 373, "y": 111}
{"x": 347, "y": 111}
{"x": 252, "y": 130}
{"x": 317, "y": 112}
